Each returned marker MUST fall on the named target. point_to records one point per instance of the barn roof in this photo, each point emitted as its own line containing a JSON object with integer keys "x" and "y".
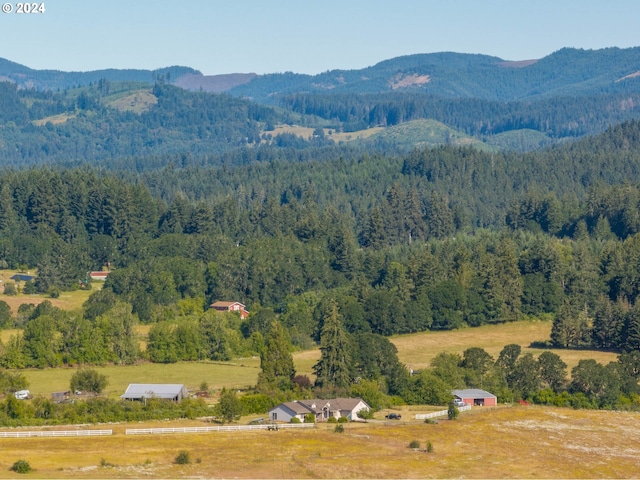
{"x": 473, "y": 393}
{"x": 136, "y": 391}
{"x": 20, "y": 277}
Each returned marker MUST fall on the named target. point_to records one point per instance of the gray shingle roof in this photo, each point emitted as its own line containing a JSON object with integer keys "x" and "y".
{"x": 473, "y": 393}
{"x": 153, "y": 390}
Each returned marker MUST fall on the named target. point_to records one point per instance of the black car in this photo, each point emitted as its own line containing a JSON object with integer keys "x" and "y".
{"x": 393, "y": 416}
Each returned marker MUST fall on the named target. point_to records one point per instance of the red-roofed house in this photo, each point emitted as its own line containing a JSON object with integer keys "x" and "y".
{"x": 98, "y": 275}
{"x": 230, "y": 307}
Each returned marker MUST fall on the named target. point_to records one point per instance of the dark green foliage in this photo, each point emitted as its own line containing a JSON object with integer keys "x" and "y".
{"x": 334, "y": 367}
{"x": 12, "y": 382}
{"x": 276, "y": 361}
{"x": 414, "y": 444}
{"x": 183, "y": 458}
{"x": 452, "y": 412}
{"x": 21, "y": 466}
{"x": 10, "y": 289}
{"x": 88, "y": 380}
{"x": 229, "y": 408}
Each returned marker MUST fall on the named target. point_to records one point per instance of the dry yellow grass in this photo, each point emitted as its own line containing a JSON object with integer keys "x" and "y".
{"x": 67, "y": 301}
{"x": 307, "y": 133}
{"x": 507, "y": 442}
{"x": 54, "y": 119}
{"x": 137, "y": 102}
{"x": 417, "y": 350}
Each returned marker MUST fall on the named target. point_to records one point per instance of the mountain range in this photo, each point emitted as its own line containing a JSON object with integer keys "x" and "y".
{"x": 567, "y": 71}
{"x": 396, "y": 105}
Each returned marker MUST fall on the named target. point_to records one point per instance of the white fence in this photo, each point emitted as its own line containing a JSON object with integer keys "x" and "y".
{"x": 63, "y": 433}
{"x": 220, "y": 428}
{"x": 441, "y": 413}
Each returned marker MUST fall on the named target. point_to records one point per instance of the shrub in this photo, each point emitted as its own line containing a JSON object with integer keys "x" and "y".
{"x": 429, "y": 446}
{"x": 452, "y": 412}
{"x": 295, "y": 420}
{"x": 414, "y": 444}
{"x": 339, "y": 428}
{"x": 29, "y": 288}
{"x": 88, "y": 380}
{"x": 309, "y": 418}
{"x": 21, "y": 466}
{"x": 183, "y": 457}
{"x": 431, "y": 421}
{"x": 343, "y": 420}
{"x": 204, "y": 387}
{"x": 10, "y": 288}
{"x": 332, "y": 420}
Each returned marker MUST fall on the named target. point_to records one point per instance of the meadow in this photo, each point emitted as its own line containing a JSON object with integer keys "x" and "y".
{"x": 503, "y": 442}
{"x": 509, "y": 441}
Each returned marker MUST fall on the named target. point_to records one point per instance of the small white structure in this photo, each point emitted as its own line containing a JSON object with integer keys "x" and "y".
{"x": 322, "y": 410}
{"x": 165, "y": 391}
{"x": 22, "y": 394}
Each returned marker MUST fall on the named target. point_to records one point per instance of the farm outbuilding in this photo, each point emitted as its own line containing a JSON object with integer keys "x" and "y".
{"x": 476, "y": 397}
{"x": 165, "y": 391}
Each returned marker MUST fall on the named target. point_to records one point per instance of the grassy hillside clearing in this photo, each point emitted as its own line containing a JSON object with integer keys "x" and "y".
{"x": 67, "y": 301}
{"x": 307, "y": 133}
{"x": 415, "y": 350}
{"x": 507, "y": 442}
{"x": 136, "y": 102}
{"x": 426, "y": 132}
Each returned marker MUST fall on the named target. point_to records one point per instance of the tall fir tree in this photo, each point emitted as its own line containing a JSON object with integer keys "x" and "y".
{"x": 276, "y": 361}
{"x": 333, "y": 370}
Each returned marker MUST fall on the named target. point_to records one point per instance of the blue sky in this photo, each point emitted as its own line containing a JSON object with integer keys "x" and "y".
{"x": 305, "y": 37}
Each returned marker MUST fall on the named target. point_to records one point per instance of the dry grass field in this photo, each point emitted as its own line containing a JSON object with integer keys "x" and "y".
{"x": 417, "y": 350}
{"x": 505, "y": 442}
{"x": 67, "y": 300}
{"x": 307, "y": 133}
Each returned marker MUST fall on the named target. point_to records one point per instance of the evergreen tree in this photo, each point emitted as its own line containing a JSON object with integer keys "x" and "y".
{"x": 276, "y": 361}
{"x": 333, "y": 370}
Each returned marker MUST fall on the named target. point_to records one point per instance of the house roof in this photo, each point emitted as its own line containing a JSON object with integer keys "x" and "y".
{"x": 99, "y": 274}
{"x": 297, "y": 408}
{"x": 346, "y": 403}
{"x": 473, "y": 393}
{"x": 225, "y": 304}
{"x": 153, "y": 390}
{"x": 302, "y": 407}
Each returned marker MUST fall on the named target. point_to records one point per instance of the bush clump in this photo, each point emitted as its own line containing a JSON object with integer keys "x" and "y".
{"x": 21, "y": 466}
{"x": 414, "y": 444}
{"x": 339, "y": 428}
{"x": 183, "y": 458}
{"x": 295, "y": 420}
{"x": 343, "y": 420}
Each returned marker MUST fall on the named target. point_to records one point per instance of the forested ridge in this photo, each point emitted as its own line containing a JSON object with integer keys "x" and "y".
{"x": 188, "y": 198}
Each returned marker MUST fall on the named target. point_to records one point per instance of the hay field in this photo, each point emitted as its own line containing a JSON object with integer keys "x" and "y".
{"x": 505, "y": 442}
{"x": 238, "y": 375}
{"x": 417, "y": 350}
{"x": 72, "y": 300}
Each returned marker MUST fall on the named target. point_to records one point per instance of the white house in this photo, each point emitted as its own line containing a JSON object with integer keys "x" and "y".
{"x": 321, "y": 409}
